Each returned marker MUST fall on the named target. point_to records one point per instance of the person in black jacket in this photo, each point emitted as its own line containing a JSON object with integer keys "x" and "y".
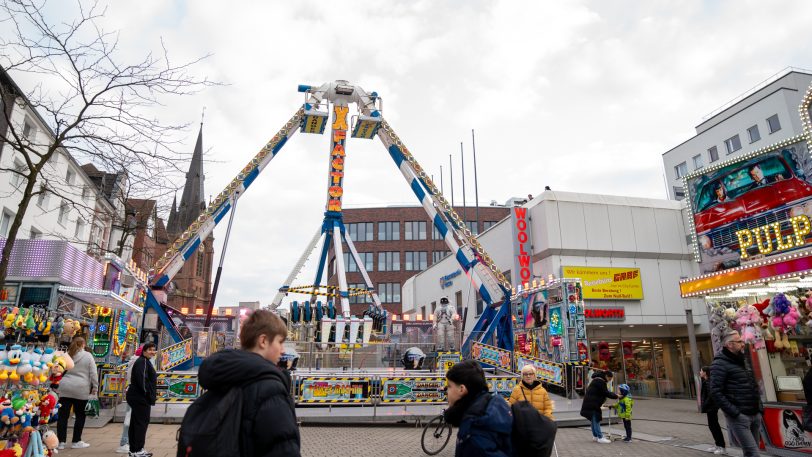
{"x": 141, "y": 395}
{"x": 596, "y": 394}
{"x": 712, "y": 411}
{"x": 269, "y": 427}
{"x": 734, "y": 389}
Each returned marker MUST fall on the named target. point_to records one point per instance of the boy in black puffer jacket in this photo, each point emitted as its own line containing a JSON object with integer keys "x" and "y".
{"x": 268, "y": 426}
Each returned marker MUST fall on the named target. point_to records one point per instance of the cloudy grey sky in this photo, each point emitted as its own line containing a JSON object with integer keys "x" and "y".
{"x": 578, "y": 95}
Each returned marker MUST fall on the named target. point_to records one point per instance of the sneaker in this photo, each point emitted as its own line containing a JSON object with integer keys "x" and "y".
{"x": 141, "y": 453}
{"x": 61, "y": 446}
{"x": 79, "y": 445}
{"x": 720, "y": 451}
{"x": 125, "y": 449}
{"x": 604, "y": 440}
{"x": 594, "y": 438}
{"x": 627, "y": 440}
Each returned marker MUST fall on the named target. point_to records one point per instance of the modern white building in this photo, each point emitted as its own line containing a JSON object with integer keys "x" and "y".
{"x": 589, "y": 231}
{"x": 66, "y": 205}
{"x": 762, "y": 116}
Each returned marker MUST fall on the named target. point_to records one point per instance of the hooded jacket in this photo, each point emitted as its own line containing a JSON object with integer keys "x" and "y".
{"x": 485, "y": 428}
{"x": 269, "y": 416}
{"x": 596, "y": 394}
{"x": 143, "y": 388}
{"x": 537, "y": 396}
{"x": 82, "y": 380}
{"x": 733, "y": 386}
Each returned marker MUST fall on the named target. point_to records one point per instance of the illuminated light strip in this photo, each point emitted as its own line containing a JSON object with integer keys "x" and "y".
{"x": 171, "y": 262}
{"x": 789, "y": 267}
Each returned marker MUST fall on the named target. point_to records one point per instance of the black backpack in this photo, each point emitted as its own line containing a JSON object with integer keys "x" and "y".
{"x": 533, "y": 433}
{"x": 211, "y": 425}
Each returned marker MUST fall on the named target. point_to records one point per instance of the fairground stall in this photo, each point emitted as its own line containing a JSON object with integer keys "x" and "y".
{"x": 752, "y": 228}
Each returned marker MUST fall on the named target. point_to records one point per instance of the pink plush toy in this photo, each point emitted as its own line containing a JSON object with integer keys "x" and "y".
{"x": 748, "y": 319}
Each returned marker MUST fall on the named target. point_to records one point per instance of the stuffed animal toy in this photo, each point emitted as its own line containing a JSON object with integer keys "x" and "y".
{"x": 50, "y": 441}
{"x": 62, "y": 363}
{"x": 15, "y": 355}
{"x": 58, "y": 327}
{"x": 781, "y": 307}
{"x": 628, "y": 350}
{"x": 47, "y": 407}
{"x": 7, "y": 417}
{"x": 603, "y": 352}
{"x": 748, "y": 320}
{"x": 719, "y": 326}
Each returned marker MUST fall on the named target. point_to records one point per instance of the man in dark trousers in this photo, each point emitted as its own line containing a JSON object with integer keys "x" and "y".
{"x": 141, "y": 396}
{"x": 734, "y": 390}
{"x": 268, "y": 427}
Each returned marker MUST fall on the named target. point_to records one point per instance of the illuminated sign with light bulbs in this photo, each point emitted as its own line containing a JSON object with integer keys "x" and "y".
{"x": 770, "y": 237}
{"x": 335, "y": 188}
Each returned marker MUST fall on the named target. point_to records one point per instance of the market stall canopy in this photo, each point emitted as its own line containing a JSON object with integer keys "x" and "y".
{"x": 100, "y": 297}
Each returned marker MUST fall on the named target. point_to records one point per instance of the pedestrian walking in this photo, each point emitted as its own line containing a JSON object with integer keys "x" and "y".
{"x": 77, "y": 386}
{"x": 267, "y": 424}
{"x": 624, "y": 407}
{"x": 124, "y": 441}
{"x": 596, "y": 394}
{"x": 733, "y": 388}
{"x": 807, "y": 411}
{"x": 482, "y": 419}
{"x": 530, "y": 389}
{"x": 141, "y": 395}
{"x": 710, "y": 408}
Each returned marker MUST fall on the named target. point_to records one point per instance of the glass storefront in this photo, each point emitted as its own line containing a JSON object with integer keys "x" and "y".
{"x": 652, "y": 367}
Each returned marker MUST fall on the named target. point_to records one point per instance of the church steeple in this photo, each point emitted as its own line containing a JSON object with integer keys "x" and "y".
{"x": 192, "y": 202}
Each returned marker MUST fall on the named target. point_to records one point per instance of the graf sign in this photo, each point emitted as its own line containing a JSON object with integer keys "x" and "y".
{"x": 334, "y": 390}
{"x": 176, "y": 354}
{"x": 493, "y": 356}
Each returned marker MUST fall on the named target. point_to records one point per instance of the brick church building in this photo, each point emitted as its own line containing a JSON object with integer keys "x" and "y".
{"x": 193, "y": 283}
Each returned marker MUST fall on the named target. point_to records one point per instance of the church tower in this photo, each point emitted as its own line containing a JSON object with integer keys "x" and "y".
{"x": 193, "y": 282}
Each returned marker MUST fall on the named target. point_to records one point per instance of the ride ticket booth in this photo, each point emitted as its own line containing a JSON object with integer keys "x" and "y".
{"x": 751, "y": 221}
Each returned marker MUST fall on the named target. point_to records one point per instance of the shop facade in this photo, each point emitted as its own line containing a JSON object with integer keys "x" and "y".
{"x": 751, "y": 225}
{"x": 629, "y": 254}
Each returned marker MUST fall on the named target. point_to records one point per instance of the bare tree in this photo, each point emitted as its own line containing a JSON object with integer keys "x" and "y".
{"x": 96, "y": 106}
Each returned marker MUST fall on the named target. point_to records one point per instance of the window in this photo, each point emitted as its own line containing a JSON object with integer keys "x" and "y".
{"x": 416, "y": 261}
{"x": 414, "y": 230}
{"x": 201, "y": 261}
{"x": 362, "y": 231}
{"x": 752, "y": 132}
{"x": 389, "y": 261}
{"x": 435, "y": 234}
{"x": 359, "y": 298}
{"x": 472, "y": 227}
{"x": 681, "y": 170}
{"x": 35, "y": 234}
{"x": 389, "y": 292}
{"x": 488, "y": 224}
{"x": 388, "y": 231}
{"x": 85, "y": 192}
{"x": 28, "y": 130}
{"x": 351, "y": 266}
{"x": 679, "y": 193}
{"x": 713, "y": 154}
{"x": 733, "y": 144}
{"x": 64, "y": 209}
{"x": 42, "y": 198}
{"x": 698, "y": 162}
{"x": 773, "y": 123}
{"x": 437, "y": 256}
{"x": 151, "y": 226}
{"x": 80, "y": 228}
{"x": 69, "y": 175}
{"x": 18, "y": 178}
{"x": 5, "y": 222}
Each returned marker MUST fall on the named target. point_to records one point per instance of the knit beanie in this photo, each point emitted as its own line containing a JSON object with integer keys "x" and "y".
{"x": 470, "y": 374}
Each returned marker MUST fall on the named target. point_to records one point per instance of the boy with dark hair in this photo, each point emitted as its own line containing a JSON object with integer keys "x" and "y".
{"x": 483, "y": 419}
{"x": 268, "y": 423}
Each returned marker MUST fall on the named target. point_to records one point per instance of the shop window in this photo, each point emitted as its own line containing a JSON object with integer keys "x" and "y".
{"x": 641, "y": 375}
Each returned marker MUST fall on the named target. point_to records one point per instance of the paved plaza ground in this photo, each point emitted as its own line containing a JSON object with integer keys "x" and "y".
{"x": 661, "y": 427}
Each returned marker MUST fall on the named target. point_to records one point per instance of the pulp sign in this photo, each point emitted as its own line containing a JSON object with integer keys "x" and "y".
{"x": 522, "y": 250}
{"x": 337, "y": 154}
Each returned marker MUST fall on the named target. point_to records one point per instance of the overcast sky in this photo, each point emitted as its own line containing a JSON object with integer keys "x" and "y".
{"x": 580, "y": 96}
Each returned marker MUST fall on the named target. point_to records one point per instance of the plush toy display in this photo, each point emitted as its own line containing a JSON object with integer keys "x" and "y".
{"x": 603, "y": 352}
{"x": 628, "y": 350}
{"x": 748, "y": 320}
{"x": 719, "y": 325}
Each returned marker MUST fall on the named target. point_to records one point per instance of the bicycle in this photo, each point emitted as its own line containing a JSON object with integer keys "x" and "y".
{"x": 436, "y": 435}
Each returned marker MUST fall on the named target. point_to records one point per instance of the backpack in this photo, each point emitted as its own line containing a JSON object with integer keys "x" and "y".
{"x": 533, "y": 433}
{"x": 211, "y": 426}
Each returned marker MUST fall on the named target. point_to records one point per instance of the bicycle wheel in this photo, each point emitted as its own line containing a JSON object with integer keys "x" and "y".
{"x": 436, "y": 435}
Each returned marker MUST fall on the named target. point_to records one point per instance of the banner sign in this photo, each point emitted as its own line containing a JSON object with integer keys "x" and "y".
{"x": 605, "y": 314}
{"x": 550, "y": 372}
{"x": 502, "y": 385}
{"x": 785, "y": 429}
{"x": 607, "y": 283}
{"x": 335, "y": 390}
{"x": 172, "y": 356}
{"x": 522, "y": 271}
{"x": 112, "y": 383}
{"x": 177, "y": 388}
{"x": 493, "y": 356}
{"x": 413, "y": 390}
{"x": 753, "y": 207}
{"x": 446, "y": 360}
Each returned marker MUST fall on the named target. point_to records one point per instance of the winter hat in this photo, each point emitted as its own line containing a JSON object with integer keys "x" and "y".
{"x": 469, "y": 374}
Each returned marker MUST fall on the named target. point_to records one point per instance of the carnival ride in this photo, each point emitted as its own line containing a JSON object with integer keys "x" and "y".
{"x": 494, "y": 326}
